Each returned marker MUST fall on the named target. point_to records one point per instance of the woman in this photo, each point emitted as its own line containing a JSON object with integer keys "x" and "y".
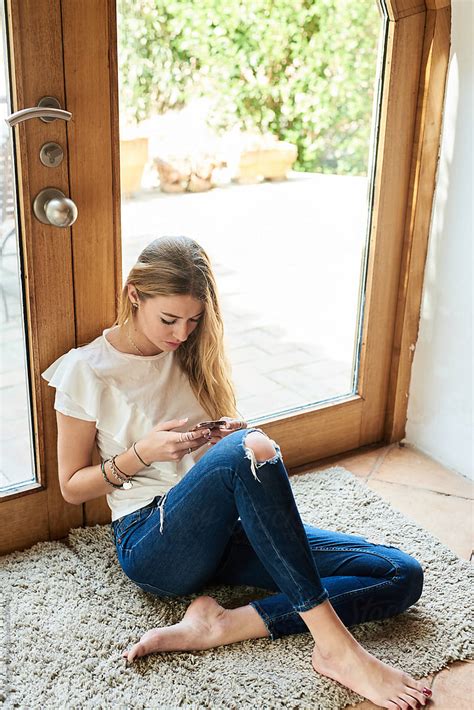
{"x": 213, "y": 505}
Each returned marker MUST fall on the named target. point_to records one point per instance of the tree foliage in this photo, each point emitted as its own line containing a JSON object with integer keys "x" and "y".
{"x": 303, "y": 70}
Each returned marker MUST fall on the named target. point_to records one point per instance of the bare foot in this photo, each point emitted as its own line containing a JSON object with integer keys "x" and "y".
{"x": 358, "y": 670}
{"x": 200, "y": 628}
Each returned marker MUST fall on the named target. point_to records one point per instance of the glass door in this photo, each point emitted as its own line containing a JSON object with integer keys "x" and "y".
{"x": 17, "y": 459}
{"x": 37, "y": 320}
{"x": 257, "y": 141}
{"x": 309, "y": 257}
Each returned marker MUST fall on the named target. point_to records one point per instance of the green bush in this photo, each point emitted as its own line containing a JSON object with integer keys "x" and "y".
{"x": 302, "y": 70}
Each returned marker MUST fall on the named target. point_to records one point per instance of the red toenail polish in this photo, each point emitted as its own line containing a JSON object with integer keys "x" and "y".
{"x": 427, "y": 691}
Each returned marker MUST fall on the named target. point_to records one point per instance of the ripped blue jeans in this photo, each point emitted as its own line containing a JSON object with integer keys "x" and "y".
{"x": 233, "y": 520}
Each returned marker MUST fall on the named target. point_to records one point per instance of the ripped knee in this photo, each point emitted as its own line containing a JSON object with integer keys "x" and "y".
{"x": 261, "y": 446}
{"x": 260, "y": 450}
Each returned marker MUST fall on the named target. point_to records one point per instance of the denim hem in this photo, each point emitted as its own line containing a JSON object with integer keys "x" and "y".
{"x": 272, "y": 622}
{"x": 311, "y": 603}
{"x": 266, "y": 620}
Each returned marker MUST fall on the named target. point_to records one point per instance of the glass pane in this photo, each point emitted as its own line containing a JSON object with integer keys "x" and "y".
{"x": 17, "y": 468}
{"x": 249, "y": 126}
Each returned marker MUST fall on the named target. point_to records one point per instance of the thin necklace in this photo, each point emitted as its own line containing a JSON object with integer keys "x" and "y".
{"x": 134, "y": 344}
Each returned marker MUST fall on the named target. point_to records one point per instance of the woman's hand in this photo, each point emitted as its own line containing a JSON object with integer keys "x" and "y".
{"x": 231, "y": 425}
{"x": 162, "y": 444}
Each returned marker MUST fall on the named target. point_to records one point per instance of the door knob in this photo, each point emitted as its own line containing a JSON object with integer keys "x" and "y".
{"x": 51, "y": 206}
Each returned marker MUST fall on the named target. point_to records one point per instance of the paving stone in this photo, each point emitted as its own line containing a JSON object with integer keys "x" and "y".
{"x": 244, "y": 325}
{"x": 10, "y": 428}
{"x": 13, "y": 401}
{"x": 12, "y": 378}
{"x": 282, "y": 361}
{"x": 326, "y": 368}
{"x": 262, "y": 405}
{"x": 249, "y": 382}
{"x": 248, "y": 354}
{"x": 11, "y": 331}
{"x": 16, "y": 455}
{"x": 310, "y": 387}
{"x": 235, "y": 340}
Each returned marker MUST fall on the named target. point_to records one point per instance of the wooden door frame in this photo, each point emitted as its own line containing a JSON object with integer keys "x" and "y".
{"x": 38, "y": 512}
{"x": 89, "y": 258}
{"x": 419, "y": 205}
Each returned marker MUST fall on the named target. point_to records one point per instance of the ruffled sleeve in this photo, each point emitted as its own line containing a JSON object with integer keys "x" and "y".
{"x": 66, "y": 405}
{"x": 73, "y": 385}
{"x": 77, "y": 382}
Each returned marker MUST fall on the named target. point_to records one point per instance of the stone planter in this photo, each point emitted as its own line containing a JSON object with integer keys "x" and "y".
{"x": 270, "y": 162}
{"x": 133, "y": 158}
{"x": 185, "y": 174}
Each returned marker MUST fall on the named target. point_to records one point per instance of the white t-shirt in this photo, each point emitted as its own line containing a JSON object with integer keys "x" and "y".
{"x": 126, "y": 396}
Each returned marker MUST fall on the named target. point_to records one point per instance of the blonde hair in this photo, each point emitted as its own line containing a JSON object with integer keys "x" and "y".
{"x": 172, "y": 266}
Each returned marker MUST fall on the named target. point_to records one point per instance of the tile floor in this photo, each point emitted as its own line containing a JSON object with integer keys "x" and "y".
{"x": 434, "y": 497}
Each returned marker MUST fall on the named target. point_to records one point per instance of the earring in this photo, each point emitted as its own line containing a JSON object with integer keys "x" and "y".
{"x": 135, "y": 305}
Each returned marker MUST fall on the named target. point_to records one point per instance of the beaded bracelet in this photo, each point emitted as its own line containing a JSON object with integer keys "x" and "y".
{"x": 127, "y": 475}
{"x": 126, "y": 482}
{"x": 113, "y": 470}
{"x": 102, "y": 466}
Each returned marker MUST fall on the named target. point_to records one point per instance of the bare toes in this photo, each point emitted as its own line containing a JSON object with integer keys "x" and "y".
{"x": 408, "y": 697}
{"x": 402, "y": 704}
{"x": 426, "y": 692}
{"x": 417, "y": 694}
{"x": 135, "y": 652}
{"x": 416, "y": 687}
{"x": 420, "y": 686}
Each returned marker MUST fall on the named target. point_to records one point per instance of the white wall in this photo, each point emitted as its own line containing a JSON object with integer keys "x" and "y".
{"x": 440, "y": 421}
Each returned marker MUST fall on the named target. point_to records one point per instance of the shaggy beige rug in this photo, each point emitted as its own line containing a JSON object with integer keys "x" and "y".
{"x": 69, "y": 611}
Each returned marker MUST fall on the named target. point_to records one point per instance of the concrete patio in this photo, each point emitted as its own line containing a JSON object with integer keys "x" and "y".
{"x": 287, "y": 257}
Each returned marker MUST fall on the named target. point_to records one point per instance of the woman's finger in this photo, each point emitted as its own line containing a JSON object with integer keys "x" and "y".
{"x": 234, "y": 424}
{"x": 170, "y": 424}
{"x": 192, "y": 439}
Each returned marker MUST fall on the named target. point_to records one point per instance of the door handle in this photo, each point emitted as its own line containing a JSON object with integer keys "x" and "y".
{"x": 37, "y": 112}
{"x": 50, "y": 206}
{"x": 48, "y": 109}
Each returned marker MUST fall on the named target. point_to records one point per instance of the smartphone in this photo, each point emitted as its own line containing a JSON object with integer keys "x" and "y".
{"x": 209, "y": 425}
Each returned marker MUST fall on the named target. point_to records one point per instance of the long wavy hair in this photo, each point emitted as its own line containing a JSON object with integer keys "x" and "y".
{"x": 175, "y": 266}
